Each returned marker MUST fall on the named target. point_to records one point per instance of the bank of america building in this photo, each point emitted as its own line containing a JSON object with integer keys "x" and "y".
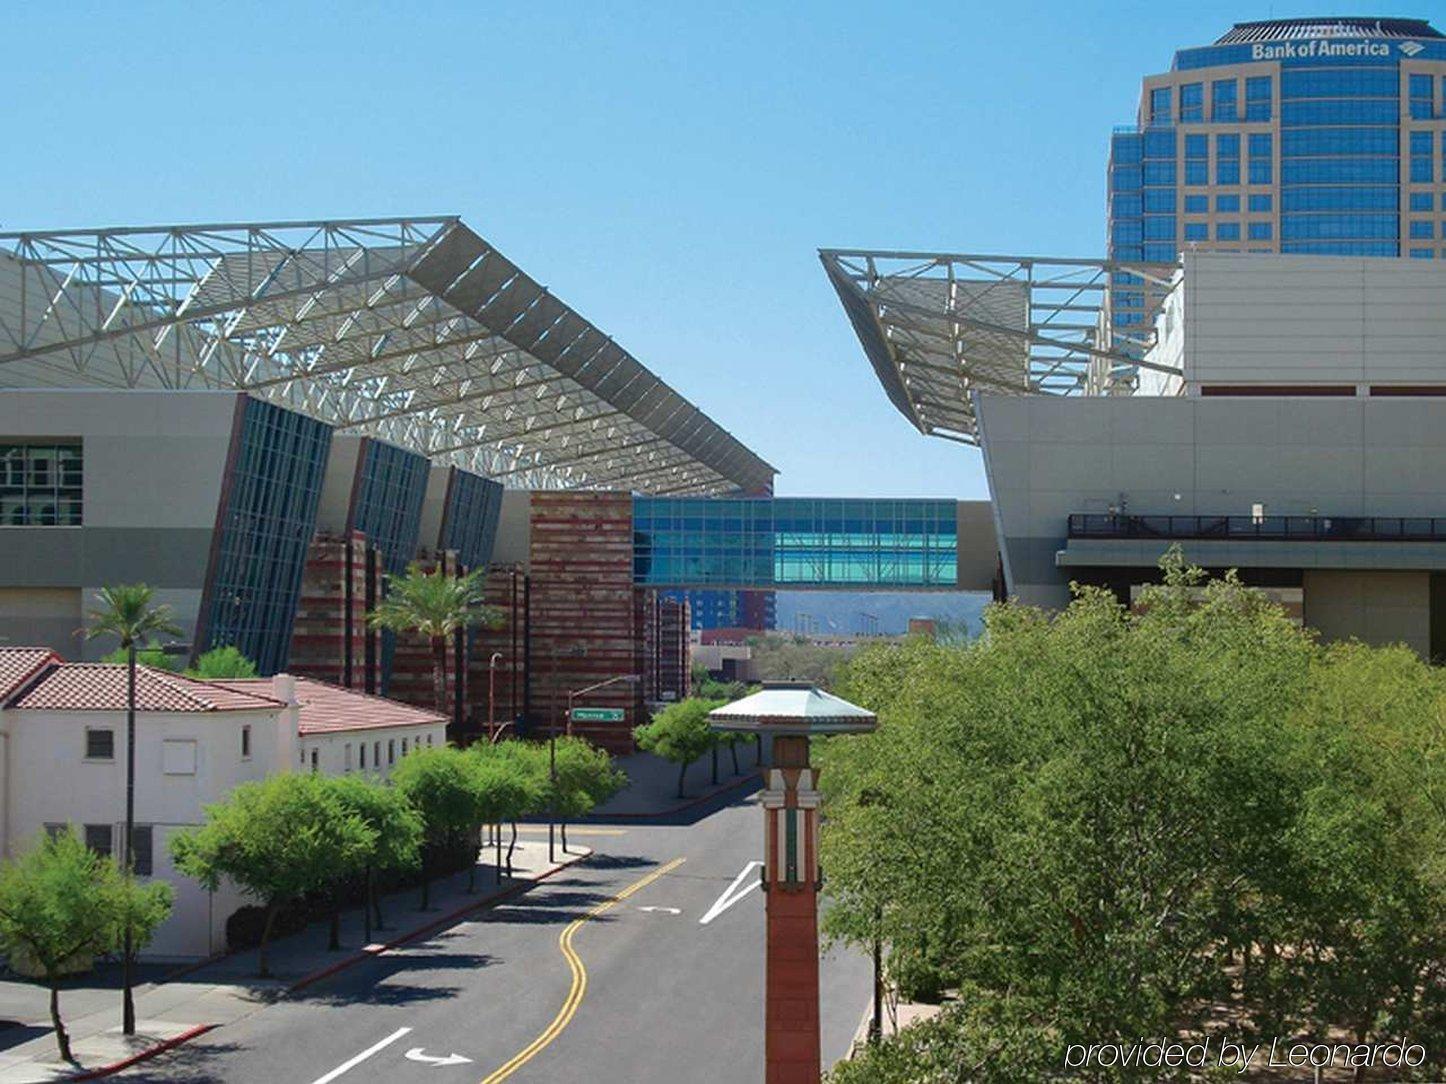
{"x": 1309, "y": 136}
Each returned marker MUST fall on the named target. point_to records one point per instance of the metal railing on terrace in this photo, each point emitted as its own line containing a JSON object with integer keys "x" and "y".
{"x": 1261, "y": 528}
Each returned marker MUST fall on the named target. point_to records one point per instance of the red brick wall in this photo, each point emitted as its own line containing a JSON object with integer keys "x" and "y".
{"x": 319, "y": 636}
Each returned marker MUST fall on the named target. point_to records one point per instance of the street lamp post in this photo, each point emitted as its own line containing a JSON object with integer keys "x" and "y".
{"x": 576, "y": 651}
{"x": 492, "y": 695}
{"x": 571, "y": 696}
{"x": 791, "y": 712}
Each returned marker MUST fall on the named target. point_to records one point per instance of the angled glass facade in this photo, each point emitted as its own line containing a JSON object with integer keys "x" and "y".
{"x": 469, "y": 522}
{"x": 794, "y": 542}
{"x": 1320, "y": 137}
{"x": 267, "y": 516}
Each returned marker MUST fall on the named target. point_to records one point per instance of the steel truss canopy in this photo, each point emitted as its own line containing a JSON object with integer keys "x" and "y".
{"x": 938, "y": 326}
{"x": 412, "y": 330}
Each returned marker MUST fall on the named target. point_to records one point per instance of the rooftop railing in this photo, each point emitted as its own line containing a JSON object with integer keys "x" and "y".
{"x": 1261, "y": 528}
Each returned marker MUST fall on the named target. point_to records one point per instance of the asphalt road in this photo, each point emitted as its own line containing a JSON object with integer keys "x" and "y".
{"x": 656, "y": 994}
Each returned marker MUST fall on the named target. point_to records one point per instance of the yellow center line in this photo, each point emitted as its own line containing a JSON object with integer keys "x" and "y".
{"x": 579, "y": 976}
{"x": 576, "y": 831}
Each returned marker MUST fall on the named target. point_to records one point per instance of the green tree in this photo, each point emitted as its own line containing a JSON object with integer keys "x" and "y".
{"x": 278, "y": 839}
{"x": 679, "y": 734}
{"x": 130, "y": 614}
{"x": 226, "y": 661}
{"x": 442, "y": 785}
{"x": 60, "y": 901}
{"x": 508, "y": 790}
{"x": 1107, "y": 824}
{"x": 585, "y": 778}
{"x": 435, "y": 606}
{"x": 397, "y": 830}
{"x": 529, "y": 759}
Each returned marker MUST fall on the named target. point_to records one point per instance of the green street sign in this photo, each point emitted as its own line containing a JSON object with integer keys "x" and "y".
{"x": 597, "y": 715}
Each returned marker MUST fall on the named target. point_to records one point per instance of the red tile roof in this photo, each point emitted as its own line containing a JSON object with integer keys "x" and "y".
{"x": 327, "y": 708}
{"x": 19, "y": 664}
{"x": 99, "y": 686}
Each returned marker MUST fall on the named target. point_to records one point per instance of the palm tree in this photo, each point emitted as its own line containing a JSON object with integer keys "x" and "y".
{"x": 126, "y": 612}
{"x": 436, "y": 606}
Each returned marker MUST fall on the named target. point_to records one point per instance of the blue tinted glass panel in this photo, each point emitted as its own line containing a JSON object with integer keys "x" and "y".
{"x": 1160, "y": 143}
{"x": 1197, "y": 171}
{"x": 1125, "y": 178}
{"x": 1339, "y": 83}
{"x": 267, "y": 519}
{"x": 1260, "y": 145}
{"x": 1227, "y": 231}
{"x": 1261, "y": 203}
{"x": 1161, "y": 200}
{"x": 1159, "y": 253}
{"x": 469, "y": 522}
{"x": 1223, "y": 100}
{"x": 1341, "y": 226}
{"x": 1423, "y": 170}
{"x": 1196, "y": 231}
{"x": 1363, "y": 141}
{"x": 1259, "y": 231}
{"x": 1423, "y": 254}
{"x": 1341, "y": 248}
{"x": 1227, "y": 171}
{"x": 1227, "y": 146}
{"x": 1127, "y": 231}
{"x": 1126, "y": 149}
{"x": 1344, "y": 111}
{"x": 1261, "y": 171}
{"x": 1127, "y": 205}
{"x": 1339, "y": 171}
{"x": 1423, "y": 231}
{"x": 1159, "y": 228}
{"x": 1257, "y": 88}
{"x": 1160, "y": 172}
{"x": 1197, "y": 146}
{"x": 1422, "y": 201}
{"x": 1381, "y": 198}
{"x": 1197, "y": 205}
{"x": 1192, "y": 102}
{"x": 1423, "y": 142}
{"x": 1229, "y": 204}
{"x": 1160, "y": 104}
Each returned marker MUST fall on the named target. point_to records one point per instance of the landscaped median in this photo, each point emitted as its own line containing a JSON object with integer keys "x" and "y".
{"x": 223, "y": 990}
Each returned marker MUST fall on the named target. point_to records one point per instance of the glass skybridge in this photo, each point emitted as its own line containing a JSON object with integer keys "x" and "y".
{"x": 796, "y": 542}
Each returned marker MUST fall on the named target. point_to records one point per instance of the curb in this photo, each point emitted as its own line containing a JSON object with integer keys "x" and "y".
{"x": 373, "y": 951}
{"x": 747, "y": 779}
{"x": 150, "y": 1052}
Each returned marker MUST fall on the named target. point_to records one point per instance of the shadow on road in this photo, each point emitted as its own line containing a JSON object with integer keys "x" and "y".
{"x": 190, "y": 1063}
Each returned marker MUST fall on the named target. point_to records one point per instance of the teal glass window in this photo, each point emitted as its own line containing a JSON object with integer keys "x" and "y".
{"x": 1160, "y": 172}
{"x": 1197, "y": 231}
{"x": 40, "y": 484}
{"x": 1160, "y": 105}
{"x": 1422, "y": 92}
{"x": 1160, "y": 200}
{"x": 1423, "y": 230}
{"x": 1257, "y": 97}
{"x": 1159, "y": 228}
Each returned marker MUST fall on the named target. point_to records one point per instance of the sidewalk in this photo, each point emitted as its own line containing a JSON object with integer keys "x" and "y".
{"x": 225, "y": 989}
{"x": 653, "y": 785}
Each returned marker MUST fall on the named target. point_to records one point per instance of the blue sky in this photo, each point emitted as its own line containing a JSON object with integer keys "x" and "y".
{"x": 667, "y": 169}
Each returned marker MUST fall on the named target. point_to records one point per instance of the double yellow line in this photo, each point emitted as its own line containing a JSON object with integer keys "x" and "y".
{"x": 579, "y": 976}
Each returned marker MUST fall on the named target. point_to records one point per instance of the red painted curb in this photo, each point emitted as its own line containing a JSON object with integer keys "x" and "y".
{"x": 150, "y": 1052}
{"x": 672, "y": 811}
{"x": 422, "y": 931}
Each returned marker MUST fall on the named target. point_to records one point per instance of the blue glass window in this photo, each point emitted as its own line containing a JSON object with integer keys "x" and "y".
{"x": 1223, "y": 100}
{"x": 1128, "y": 205}
{"x": 1126, "y": 149}
{"x": 1423, "y": 96}
{"x": 1160, "y": 143}
{"x": 1192, "y": 102}
{"x": 1197, "y": 146}
{"x": 1422, "y": 201}
{"x": 1197, "y": 231}
{"x": 1159, "y": 228}
{"x": 1423, "y": 170}
{"x": 1339, "y": 171}
{"x": 1227, "y": 204}
{"x": 1342, "y": 111}
{"x": 1261, "y": 203}
{"x": 1127, "y": 231}
{"x": 1423, "y": 142}
{"x": 1260, "y": 145}
{"x": 1227, "y": 146}
{"x": 1160, "y": 172}
{"x": 1261, "y": 171}
{"x": 469, "y": 522}
{"x": 1227, "y": 231}
{"x": 1196, "y": 205}
{"x": 1257, "y": 97}
{"x": 1315, "y": 198}
{"x": 1197, "y": 171}
{"x": 1160, "y": 105}
{"x": 1423, "y": 230}
{"x": 1304, "y": 142}
{"x": 1340, "y": 83}
{"x": 1129, "y": 252}
{"x": 1160, "y": 200}
{"x": 1259, "y": 231}
{"x": 1125, "y": 178}
{"x": 1339, "y": 226}
{"x": 1423, "y": 254}
{"x": 1158, "y": 253}
{"x": 1227, "y": 171}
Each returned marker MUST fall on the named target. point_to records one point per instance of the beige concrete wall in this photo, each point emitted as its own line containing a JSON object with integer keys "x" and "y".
{"x": 978, "y": 546}
{"x": 514, "y": 529}
{"x": 41, "y": 617}
{"x": 1376, "y": 607}
{"x": 337, "y": 482}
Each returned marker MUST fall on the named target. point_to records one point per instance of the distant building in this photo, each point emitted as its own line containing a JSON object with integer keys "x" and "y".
{"x": 62, "y": 760}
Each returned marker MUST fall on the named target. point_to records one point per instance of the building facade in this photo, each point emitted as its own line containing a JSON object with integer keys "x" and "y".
{"x": 1311, "y": 136}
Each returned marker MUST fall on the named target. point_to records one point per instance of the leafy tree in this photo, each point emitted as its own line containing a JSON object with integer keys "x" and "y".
{"x": 680, "y": 734}
{"x": 60, "y": 900}
{"x": 395, "y": 824}
{"x": 223, "y": 662}
{"x": 585, "y": 778}
{"x": 279, "y": 839}
{"x": 1107, "y": 824}
{"x": 530, "y": 761}
{"x": 443, "y": 786}
{"x": 508, "y": 789}
{"x": 779, "y": 657}
{"x": 153, "y": 657}
{"x": 435, "y": 606}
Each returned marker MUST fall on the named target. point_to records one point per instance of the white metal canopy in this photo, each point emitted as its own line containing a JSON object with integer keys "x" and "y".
{"x": 938, "y": 326}
{"x": 413, "y": 330}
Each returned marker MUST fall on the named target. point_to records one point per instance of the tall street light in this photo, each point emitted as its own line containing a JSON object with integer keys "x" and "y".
{"x": 576, "y": 651}
{"x": 492, "y": 695}
{"x": 571, "y": 696}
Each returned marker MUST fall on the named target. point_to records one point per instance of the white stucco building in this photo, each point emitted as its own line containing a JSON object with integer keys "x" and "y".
{"x": 62, "y": 760}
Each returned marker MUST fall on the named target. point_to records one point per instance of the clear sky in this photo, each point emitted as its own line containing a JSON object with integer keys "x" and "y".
{"x": 667, "y": 169}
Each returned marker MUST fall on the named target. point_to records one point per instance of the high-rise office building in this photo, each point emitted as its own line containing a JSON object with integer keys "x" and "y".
{"x": 1314, "y": 136}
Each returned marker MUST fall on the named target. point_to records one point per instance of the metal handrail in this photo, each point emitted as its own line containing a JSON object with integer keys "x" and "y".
{"x": 1267, "y": 528}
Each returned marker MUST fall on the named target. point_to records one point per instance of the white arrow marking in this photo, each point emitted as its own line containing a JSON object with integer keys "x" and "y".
{"x": 368, "y": 1052}
{"x": 731, "y": 894}
{"x": 665, "y": 910}
{"x": 415, "y": 1054}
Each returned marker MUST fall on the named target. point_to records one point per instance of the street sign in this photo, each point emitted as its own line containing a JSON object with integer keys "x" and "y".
{"x": 597, "y": 715}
